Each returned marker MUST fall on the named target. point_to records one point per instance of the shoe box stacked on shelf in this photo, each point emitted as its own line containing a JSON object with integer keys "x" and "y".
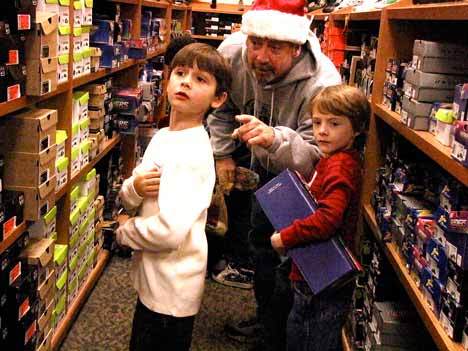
{"x": 51, "y": 218}
{"x": 431, "y": 93}
{"x": 421, "y": 210}
{"x": 382, "y": 317}
{"x": 215, "y": 23}
{"x": 155, "y": 28}
{"x": 400, "y": 25}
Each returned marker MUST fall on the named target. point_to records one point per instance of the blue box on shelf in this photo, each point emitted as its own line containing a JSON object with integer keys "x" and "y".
{"x": 460, "y": 142}
{"x": 102, "y": 32}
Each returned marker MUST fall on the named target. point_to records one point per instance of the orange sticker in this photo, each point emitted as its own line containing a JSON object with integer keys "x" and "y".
{"x": 30, "y": 332}
{"x": 24, "y": 22}
{"x": 8, "y": 226}
{"x": 13, "y": 92}
{"x": 24, "y": 308}
{"x": 13, "y": 57}
{"x": 15, "y": 273}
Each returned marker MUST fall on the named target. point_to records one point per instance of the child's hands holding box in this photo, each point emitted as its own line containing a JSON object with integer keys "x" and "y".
{"x": 146, "y": 184}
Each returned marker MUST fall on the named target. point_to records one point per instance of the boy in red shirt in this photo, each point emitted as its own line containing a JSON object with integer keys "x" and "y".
{"x": 340, "y": 116}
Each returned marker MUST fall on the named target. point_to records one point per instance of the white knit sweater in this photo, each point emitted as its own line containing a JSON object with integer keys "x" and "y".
{"x": 168, "y": 236}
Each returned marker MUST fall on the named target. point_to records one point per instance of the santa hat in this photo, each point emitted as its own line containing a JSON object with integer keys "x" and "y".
{"x": 277, "y": 19}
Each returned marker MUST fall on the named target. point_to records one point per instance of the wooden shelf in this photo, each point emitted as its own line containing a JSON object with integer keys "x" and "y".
{"x": 62, "y": 329}
{"x": 426, "y": 142}
{"x": 108, "y": 145}
{"x": 181, "y": 7}
{"x": 231, "y": 9}
{"x": 450, "y": 11}
{"x": 432, "y": 324}
{"x": 25, "y": 101}
{"x": 207, "y": 37}
{"x": 341, "y": 15}
{"x": 12, "y": 237}
{"x": 101, "y": 73}
{"x": 128, "y": 2}
{"x": 157, "y": 4}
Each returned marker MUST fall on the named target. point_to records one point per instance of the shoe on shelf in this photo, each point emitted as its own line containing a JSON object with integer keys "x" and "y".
{"x": 244, "y": 331}
{"x": 238, "y": 278}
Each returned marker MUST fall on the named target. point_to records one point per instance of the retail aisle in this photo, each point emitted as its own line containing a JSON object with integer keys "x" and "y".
{"x": 104, "y": 322}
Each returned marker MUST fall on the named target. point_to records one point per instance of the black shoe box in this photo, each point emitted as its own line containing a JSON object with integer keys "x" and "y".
{"x": 23, "y": 333}
{"x": 22, "y": 297}
{"x": 452, "y": 317}
{"x": 12, "y": 82}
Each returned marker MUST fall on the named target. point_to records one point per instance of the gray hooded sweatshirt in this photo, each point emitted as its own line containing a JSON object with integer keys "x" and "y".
{"x": 283, "y": 105}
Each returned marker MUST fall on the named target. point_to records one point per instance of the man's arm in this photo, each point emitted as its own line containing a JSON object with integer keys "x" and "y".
{"x": 278, "y": 148}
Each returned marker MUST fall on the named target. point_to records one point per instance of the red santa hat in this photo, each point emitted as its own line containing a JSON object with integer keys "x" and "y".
{"x": 277, "y": 19}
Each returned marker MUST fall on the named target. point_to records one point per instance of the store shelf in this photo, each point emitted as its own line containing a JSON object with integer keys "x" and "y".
{"x": 432, "y": 324}
{"x": 439, "y": 336}
{"x": 128, "y": 2}
{"x": 104, "y": 72}
{"x": 12, "y": 237}
{"x": 351, "y": 15}
{"x": 108, "y": 145}
{"x": 426, "y": 142}
{"x": 180, "y": 7}
{"x": 25, "y": 101}
{"x": 74, "y": 308}
{"x": 158, "y": 51}
{"x": 207, "y": 37}
{"x": 455, "y": 11}
{"x": 157, "y": 4}
{"x": 347, "y": 13}
{"x": 220, "y": 8}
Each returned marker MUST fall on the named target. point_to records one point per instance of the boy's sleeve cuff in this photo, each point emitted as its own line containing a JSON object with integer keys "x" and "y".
{"x": 289, "y": 237}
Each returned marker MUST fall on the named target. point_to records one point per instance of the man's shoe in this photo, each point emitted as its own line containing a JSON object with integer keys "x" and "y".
{"x": 244, "y": 331}
{"x": 238, "y": 278}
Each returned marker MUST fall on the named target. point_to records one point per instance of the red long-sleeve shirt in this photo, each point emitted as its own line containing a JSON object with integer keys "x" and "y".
{"x": 336, "y": 187}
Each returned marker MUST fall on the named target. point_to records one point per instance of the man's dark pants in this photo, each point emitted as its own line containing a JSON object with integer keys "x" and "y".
{"x": 272, "y": 287}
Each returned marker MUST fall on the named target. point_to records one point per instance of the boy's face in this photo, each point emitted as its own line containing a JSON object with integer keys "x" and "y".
{"x": 192, "y": 91}
{"x": 332, "y": 133}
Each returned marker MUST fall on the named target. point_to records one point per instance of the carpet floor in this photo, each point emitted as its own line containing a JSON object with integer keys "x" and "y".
{"x": 104, "y": 323}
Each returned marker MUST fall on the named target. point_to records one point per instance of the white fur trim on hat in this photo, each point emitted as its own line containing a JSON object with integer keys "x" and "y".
{"x": 276, "y": 25}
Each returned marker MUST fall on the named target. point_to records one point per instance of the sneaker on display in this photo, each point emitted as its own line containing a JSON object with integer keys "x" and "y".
{"x": 238, "y": 278}
{"x": 244, "y": 331}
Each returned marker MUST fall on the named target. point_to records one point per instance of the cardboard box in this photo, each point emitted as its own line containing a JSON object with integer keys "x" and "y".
{"x": 460, "y": 102}
{"x": 46, "y": 226}
{"x": 61, "y": 168}
{"x": 38, "y": 201}
{"x": 32, "y": 131}
{"x": 95, "y": 59}
{"x": 77, "y": 64}
{"x": 433, "y": 80}
{"x": 63, "y": 36}
{"x": 460, "y": 142}
{"x": 88, "y": 13}
{"x": 77, "y": 13}
{"x": 64, "y": 12}
{"x": 425, "y": 48}
{"x": 39, "y": 253}
{"x": 62, "y": 69}
{"x": 12, "y": 82}
{"x": 60, "y": 138}
{"x": 40, "y": 168}
{"x": 42, "y": 76}
{"x": 426, "y": 94}
{"x": 41, "y": 42}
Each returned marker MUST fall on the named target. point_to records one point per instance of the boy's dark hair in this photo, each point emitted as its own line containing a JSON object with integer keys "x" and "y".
{"x": 177, "y": 42}
{"x": 344, "y": 100}
{"x": 207, "y": 59}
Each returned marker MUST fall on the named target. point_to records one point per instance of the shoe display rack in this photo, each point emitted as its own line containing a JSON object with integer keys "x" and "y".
{"x": 400, "y": 24}
{"x": 126, "y": 74}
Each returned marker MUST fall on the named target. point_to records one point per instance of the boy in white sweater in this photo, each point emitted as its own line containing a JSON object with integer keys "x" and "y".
{"x": 168, "y": 236}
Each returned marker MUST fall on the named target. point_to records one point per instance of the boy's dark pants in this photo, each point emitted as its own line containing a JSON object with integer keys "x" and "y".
{"x": 315, "y": 321}
{"x": 153, "y": 331}
{"x": 272, "y": 288}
